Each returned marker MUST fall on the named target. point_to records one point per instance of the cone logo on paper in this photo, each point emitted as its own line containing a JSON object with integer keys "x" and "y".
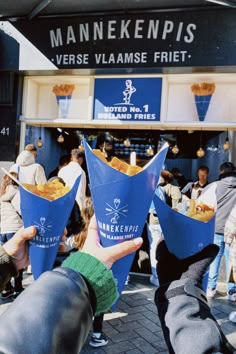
{"x": 50, "y": 218}
{"x": 121, "y": 203}
{"x": 202, "y": 95}
{"x": 63, "y": 95}
{"x": 116, "y": 210}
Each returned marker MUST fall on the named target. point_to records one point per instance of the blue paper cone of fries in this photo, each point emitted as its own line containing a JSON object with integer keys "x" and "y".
{"x": 50, "y": 218}
{"x": 121, "y": 203}
{"x": 184, "y": 235}
{"x": 202, "y": 104}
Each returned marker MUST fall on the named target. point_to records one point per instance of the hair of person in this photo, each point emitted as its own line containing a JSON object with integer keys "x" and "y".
{"x": 167, "y": 176}
{"x": 175, "y": 170}
{"x": 6, "y": 181}
{"x": 203, "y": 168}
{"x": 65, "y": 159}
{"x": 227, "y": 167}
{"x": 86, "y": 213}
{"x": 104, "y": 138}
{"x": 77, "y": 154}
{"x": 30, "y": 147}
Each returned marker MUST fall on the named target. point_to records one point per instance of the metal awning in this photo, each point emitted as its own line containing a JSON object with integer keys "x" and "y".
{"x": 29, "y": 9}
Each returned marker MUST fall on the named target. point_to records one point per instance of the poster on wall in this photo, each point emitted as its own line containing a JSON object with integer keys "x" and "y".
{"x": 127, "y": 99}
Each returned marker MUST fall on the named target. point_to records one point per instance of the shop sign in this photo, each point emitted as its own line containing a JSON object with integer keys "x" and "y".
{"x": 158, "y": 39}
{"x": 136, "y": 99}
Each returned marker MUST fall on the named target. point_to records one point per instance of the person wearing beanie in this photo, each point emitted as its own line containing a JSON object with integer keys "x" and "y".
{"x": 30, "y": 171}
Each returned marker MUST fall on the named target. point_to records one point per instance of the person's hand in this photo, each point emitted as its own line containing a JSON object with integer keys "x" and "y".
{"x": 170, "y": 268}
{"x": 17, "y": 247}
{"x": 111, "y": 254}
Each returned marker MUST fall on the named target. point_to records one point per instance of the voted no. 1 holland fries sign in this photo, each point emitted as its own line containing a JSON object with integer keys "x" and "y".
{"x": 121, "y": 203}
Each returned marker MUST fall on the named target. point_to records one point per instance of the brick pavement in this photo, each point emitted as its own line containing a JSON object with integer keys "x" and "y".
{"x": 134, "y": 327}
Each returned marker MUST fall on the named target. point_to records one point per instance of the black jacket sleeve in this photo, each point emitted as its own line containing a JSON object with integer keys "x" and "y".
{"x": 7, "y": 268}
{"x": 52, "y": 316}
{"x": 186, "y": 320}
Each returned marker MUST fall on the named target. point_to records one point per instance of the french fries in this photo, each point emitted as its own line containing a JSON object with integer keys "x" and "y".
{"x": 51, "y": 190}
{"x": 203, "y": 89}
{"x": 63, "y": 90}
{"x": 201, "y": 211}
{"x": 118, "y": 164}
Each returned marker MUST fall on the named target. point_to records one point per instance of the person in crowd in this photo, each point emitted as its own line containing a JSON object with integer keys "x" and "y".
{"x": 182, "y": 304}
{"x": 105, "y": 143}
{"x": 179, "y": 179}
{"x": 230, "y": 241}
{"x": 30, "y": 171}
{"x": 72, "y": 171}
{"x": 10, "y": 223}
{"x": 66, "y": 319}
{"x": 226, "y": 199}
{"x": 193, "y": 190}
{"x": 63, "y": 161}
{"x": 172, "y": 192}
{"x": 154, "y": 232}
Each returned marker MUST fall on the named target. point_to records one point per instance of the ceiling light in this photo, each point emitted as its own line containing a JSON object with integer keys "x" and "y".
{"x": 200, "y": 152}
{"x": 175, "y": 149}
{"x": 150, "y": 151}
{"x": 127, "y": 142}
{"x": 40, "y": 142}
{"x": 60, "y": 139}
{"x": 226, "y": 145}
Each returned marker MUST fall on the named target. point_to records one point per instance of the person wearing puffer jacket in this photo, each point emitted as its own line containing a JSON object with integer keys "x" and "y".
{"x": 30, "y": 171}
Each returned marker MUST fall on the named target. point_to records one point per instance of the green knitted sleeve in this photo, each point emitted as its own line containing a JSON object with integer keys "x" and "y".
{"x": 100, "y": 278}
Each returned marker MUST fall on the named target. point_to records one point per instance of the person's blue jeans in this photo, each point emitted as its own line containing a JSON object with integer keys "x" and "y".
{"x": 215, "y": 265}
{"x": 154, "y": 235}
{"x": 6, "y": 237}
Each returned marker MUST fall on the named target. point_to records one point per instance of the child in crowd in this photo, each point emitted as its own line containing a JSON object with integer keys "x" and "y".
{"x": 10, "y": 223}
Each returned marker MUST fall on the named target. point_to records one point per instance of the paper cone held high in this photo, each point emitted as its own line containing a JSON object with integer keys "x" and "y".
{"x": 185, "y": 236}
{"x": 121, "y": 203}
{"x": 50, "y": 217}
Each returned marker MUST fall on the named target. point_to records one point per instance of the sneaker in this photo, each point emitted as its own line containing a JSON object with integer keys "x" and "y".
{"x": 211, "y": 293}
{"x": 98, "y": 340}
{"x": 232, "y": 295}
{"x": 154, "y": 281}
{"x": 7, "y": 293}
{"x": 232, "y": 316}
{"x": 127, "y": 280}
{"x": 17, "y": 293}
